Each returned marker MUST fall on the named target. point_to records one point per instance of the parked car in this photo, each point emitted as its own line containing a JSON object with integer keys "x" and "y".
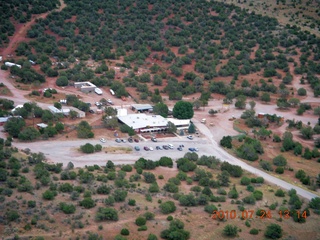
{"x": 110, "y": 102}
{"x": 191, "y": 149}
{"x": 98, "y": 104}
{"x": 146, "y": 148}
{"x": 136, "y": 140}
{"x": 153, "y": 139}
{"x": 170, "y": 146}
{"x": 190, "y": 137}
{"x": 165, "y": 147}
{"x": 123, "y": 140}
{"x": 196, "y": 149}
{"x": 118, "y": 140}
{"x": 151, "y": 148}
{"x": 159, "y": 148}
{"x": 91, "y": 111}
{"x": 130, "y": 140}
{"x": 102, "y": 140}
{"x": 137, "y": 148}
{"x": 180, "y": 148}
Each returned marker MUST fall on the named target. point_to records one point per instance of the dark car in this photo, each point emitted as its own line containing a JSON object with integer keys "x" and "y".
{"x": 192, "y": 149}
{"x": 91, "y": 111}
{"x": 165, "y": 147}
{"x": 159, "y": 148}
{"x": 180, "y": 148}
{"x": 153, "y": 139}
{"x": 118, "y": 140}
{"x": 130, "y": 140}
{"x": 146, "y": 148}
{"x": 136, "y": 140}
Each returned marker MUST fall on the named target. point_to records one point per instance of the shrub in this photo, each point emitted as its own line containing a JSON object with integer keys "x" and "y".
{"x": 152, "y": 237}
{"x": 149, "y": 215}
{"x": 166, "y": 162}
{"x": 125, "y": 232}
{"x": 226, "y": 141}
{"x": 143, "y": 228}
{"x": 87, "y": 148}
{"x": 126, "y": 168}
{"x": 273, "y": 231}
{"x": 260, "y": 180}
{"x": 280, "y": 170}
{"x": 210, "y": 208}
{"x": 167, "y": 207}
{"x": 132, "y": 202}
{"x": 280, "y": 161}
{"x": 230, "y": 230}
{"x": 140, "y": 221}
{"x": 169, "y": 218}
{"x": 258, "y": 195}
{"x": 87, "y": 203}
{"x": 280, "y": 193}
{"x": 245, "y": 181}
{"x": 105, "y": 214}
{"x": 249, "y": 200}
{"x": 254, "y": 231}
{"x": 67, "y": 208}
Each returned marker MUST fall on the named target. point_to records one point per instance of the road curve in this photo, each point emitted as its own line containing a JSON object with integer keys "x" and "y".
{"x": 219, "y": 152}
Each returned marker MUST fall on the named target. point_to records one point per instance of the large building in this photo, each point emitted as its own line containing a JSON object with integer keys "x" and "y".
{"x": 144, "y": 123}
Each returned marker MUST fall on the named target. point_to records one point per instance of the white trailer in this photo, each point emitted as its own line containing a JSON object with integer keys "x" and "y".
{"x": 112, "y": 92}
{"x": 10, "y": 64}
{"x": 98, "y": 91}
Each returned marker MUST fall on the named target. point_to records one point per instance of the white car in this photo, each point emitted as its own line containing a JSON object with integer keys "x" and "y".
{"x": 150, "y": 148}
{"x": 170, "y": 146}
{"x": 190, "y": 137}
{"x": 102, "y": 140}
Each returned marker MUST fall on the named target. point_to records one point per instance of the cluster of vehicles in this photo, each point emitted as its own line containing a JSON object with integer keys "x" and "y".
{"x": 149, "y": 148}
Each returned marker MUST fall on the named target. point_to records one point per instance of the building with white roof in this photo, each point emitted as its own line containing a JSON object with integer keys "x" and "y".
{"x": 180, "y": 123}
{"x": 144, "y": 123}
{"x": 142, "y": 107}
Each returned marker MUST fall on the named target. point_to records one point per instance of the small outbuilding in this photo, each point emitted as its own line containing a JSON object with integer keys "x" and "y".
{"x": 141, "y": 107}
{"x": 85, "y": 87}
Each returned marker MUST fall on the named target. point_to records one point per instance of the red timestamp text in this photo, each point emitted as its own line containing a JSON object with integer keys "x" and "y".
{"x": 262, "y": 214}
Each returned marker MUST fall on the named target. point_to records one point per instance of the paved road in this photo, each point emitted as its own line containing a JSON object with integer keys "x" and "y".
{"x": 66, "y": 151}
{"x": 225, "y": 156}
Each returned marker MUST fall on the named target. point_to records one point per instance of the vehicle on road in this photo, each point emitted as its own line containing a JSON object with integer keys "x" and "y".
{"x": 191, "y": 149}
{"x": 137, "y": 148}
{"x": 146, "y": 148}
{"x": 123, "y": 140}
{"x": 165, "y": 147}
{"x": 98, "y": 104}
{"x": 153, "y": 139}
{"x": 118, "y": 140}
{"x": 190, "y": 137}
{"x": 151, "y": 148}
{"x": 102, "y": 140}
{"x": 159, "y": 147}
{"x": 196, "y": 149}
{"x": 91, "y": 111}
{"x": 136, "y": 140}
{"x": 109, "y": 101}
{"x": 170, "y": 146}
{"x": 98, "y": 91}
{"x": 130, "y": 140}
{"x": 180, "y": 148}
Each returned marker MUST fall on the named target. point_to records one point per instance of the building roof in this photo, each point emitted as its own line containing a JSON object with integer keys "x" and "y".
{"x": 42, "y": 125}
{"x": 4, "y": 119}
{"x": 179, "y": 122}
{"x": 76, "y": 110}
{"x": 141, "y": 120}
{"x": 54, "y": 109}
{"x": 142, "y": 107}
{"x": 122, "y": 112}
{"x": 18, "y": 106}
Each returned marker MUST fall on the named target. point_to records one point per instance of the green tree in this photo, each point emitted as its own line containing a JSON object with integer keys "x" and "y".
{"x": 171, "y": 127}
{"x": 307, "y": 132}
{"x": 183, "y": 110}
{"x": 226, "y": 141}
{"x": 241, "y": 102}
{"x": 280, "y": 161}
{"x": 273, "y": 231}
{"x": 105, "y": 214}
{"x": 84, "y": 130}
{"x": 167, "y": 207}
{"x": 192, "y": 128}
{"x": 29, "y": 134}
{"x": 87, "y": 148}
{"x": 140, "y": 221}
{"x": 265, "y": 97}
{"x": 161, "y": 109}
{"x": 230, "y": 230}
{"x": 14, "y": 126}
